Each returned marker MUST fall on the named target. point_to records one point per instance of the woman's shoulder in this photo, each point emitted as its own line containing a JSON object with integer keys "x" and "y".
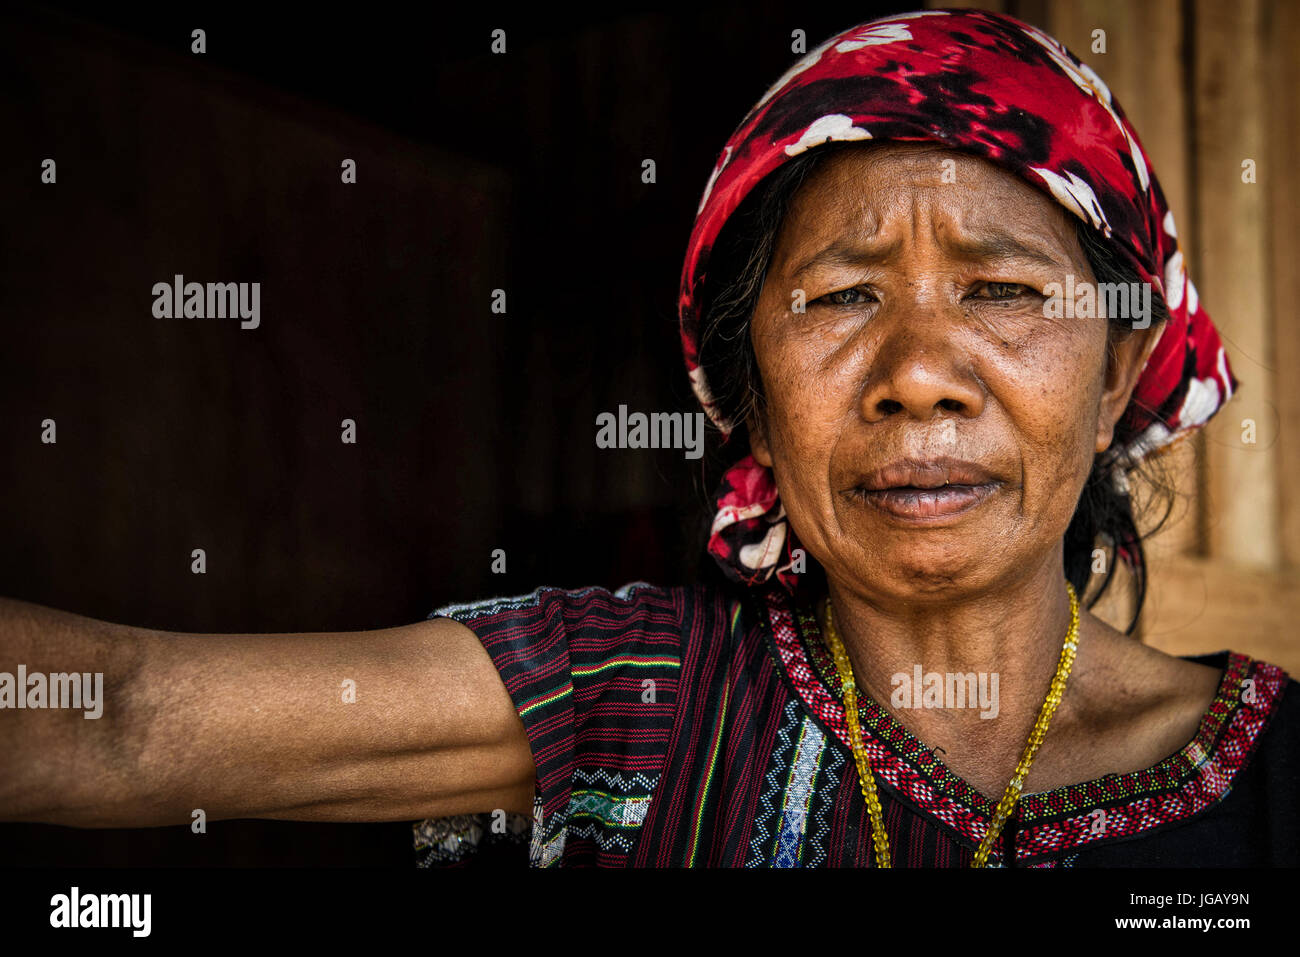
{"x": 1135, "y": 708}
{"x": 1250, "y": 729}
{"x": 1192, "y": 685}
{"x": 597, "y": 676}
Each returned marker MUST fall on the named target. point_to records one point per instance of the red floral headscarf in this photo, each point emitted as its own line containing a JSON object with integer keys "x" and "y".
{"x": 1001, "y": 89}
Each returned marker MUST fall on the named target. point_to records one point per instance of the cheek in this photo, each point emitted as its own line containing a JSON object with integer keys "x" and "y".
{"x": 802, "y": 398}
{"x": 1053, "y": 399}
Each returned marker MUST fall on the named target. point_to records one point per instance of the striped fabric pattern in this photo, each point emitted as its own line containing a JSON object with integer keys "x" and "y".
{"x": 594, "y": 675}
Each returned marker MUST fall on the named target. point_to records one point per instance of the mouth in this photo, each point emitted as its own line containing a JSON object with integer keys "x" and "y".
{"x": 926, "y": 491}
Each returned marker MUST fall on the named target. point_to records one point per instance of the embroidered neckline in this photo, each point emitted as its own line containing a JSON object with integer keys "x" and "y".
{"x": 1047, "y": 822}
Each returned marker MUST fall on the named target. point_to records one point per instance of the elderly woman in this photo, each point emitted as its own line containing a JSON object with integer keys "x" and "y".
{"x": 902, "y": 305}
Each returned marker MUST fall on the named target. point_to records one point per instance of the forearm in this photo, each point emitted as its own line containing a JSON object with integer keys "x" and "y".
{"x": 68, "y": 739}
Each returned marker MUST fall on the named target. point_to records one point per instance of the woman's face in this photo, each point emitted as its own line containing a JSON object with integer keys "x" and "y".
{"x": 923, "y": 337}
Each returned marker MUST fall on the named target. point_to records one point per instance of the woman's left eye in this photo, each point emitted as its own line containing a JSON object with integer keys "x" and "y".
{"x": 1006, "y": 290}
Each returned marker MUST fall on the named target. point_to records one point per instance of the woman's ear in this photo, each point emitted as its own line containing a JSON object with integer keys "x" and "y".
{"x": 1126, "y": 356}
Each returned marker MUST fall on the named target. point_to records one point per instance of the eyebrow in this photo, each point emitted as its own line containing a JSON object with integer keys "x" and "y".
{"x": 1000, "y": 246}
{"x": 993, "y": 246}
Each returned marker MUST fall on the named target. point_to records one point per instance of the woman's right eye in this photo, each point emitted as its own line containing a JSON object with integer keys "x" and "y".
{"x": 840, "y": 298}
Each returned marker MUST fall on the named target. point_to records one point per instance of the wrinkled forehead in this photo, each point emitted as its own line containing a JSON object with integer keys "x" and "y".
{"x": 902, "y": 192}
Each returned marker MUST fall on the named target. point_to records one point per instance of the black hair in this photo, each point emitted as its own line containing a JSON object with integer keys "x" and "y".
{"x": 736, "y": 271}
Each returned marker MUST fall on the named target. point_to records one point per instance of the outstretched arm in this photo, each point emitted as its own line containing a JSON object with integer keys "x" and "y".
{"x": 258, "y": 725}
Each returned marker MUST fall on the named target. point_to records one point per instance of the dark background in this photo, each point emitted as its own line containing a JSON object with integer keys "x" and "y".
{"x": 476, "y": 431}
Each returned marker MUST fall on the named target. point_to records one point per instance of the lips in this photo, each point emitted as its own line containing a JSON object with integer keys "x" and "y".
{"x": 924, "y": 490}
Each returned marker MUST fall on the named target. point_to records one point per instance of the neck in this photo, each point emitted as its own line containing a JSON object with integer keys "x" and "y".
{"x": 1008, "y": 637}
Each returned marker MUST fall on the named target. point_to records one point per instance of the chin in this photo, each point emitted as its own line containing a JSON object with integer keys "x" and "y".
{"x": 919, "y": 573}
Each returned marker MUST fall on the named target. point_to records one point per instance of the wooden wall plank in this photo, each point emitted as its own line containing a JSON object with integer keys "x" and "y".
{"x": 1233, "y": 281}
{"x": 1281, "y": 31}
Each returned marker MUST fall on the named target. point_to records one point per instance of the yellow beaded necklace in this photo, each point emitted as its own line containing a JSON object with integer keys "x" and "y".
{"x": 1008, "y": 802}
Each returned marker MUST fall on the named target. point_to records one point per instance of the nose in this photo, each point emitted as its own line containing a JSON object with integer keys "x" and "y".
{"x": 920, "y": 369}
